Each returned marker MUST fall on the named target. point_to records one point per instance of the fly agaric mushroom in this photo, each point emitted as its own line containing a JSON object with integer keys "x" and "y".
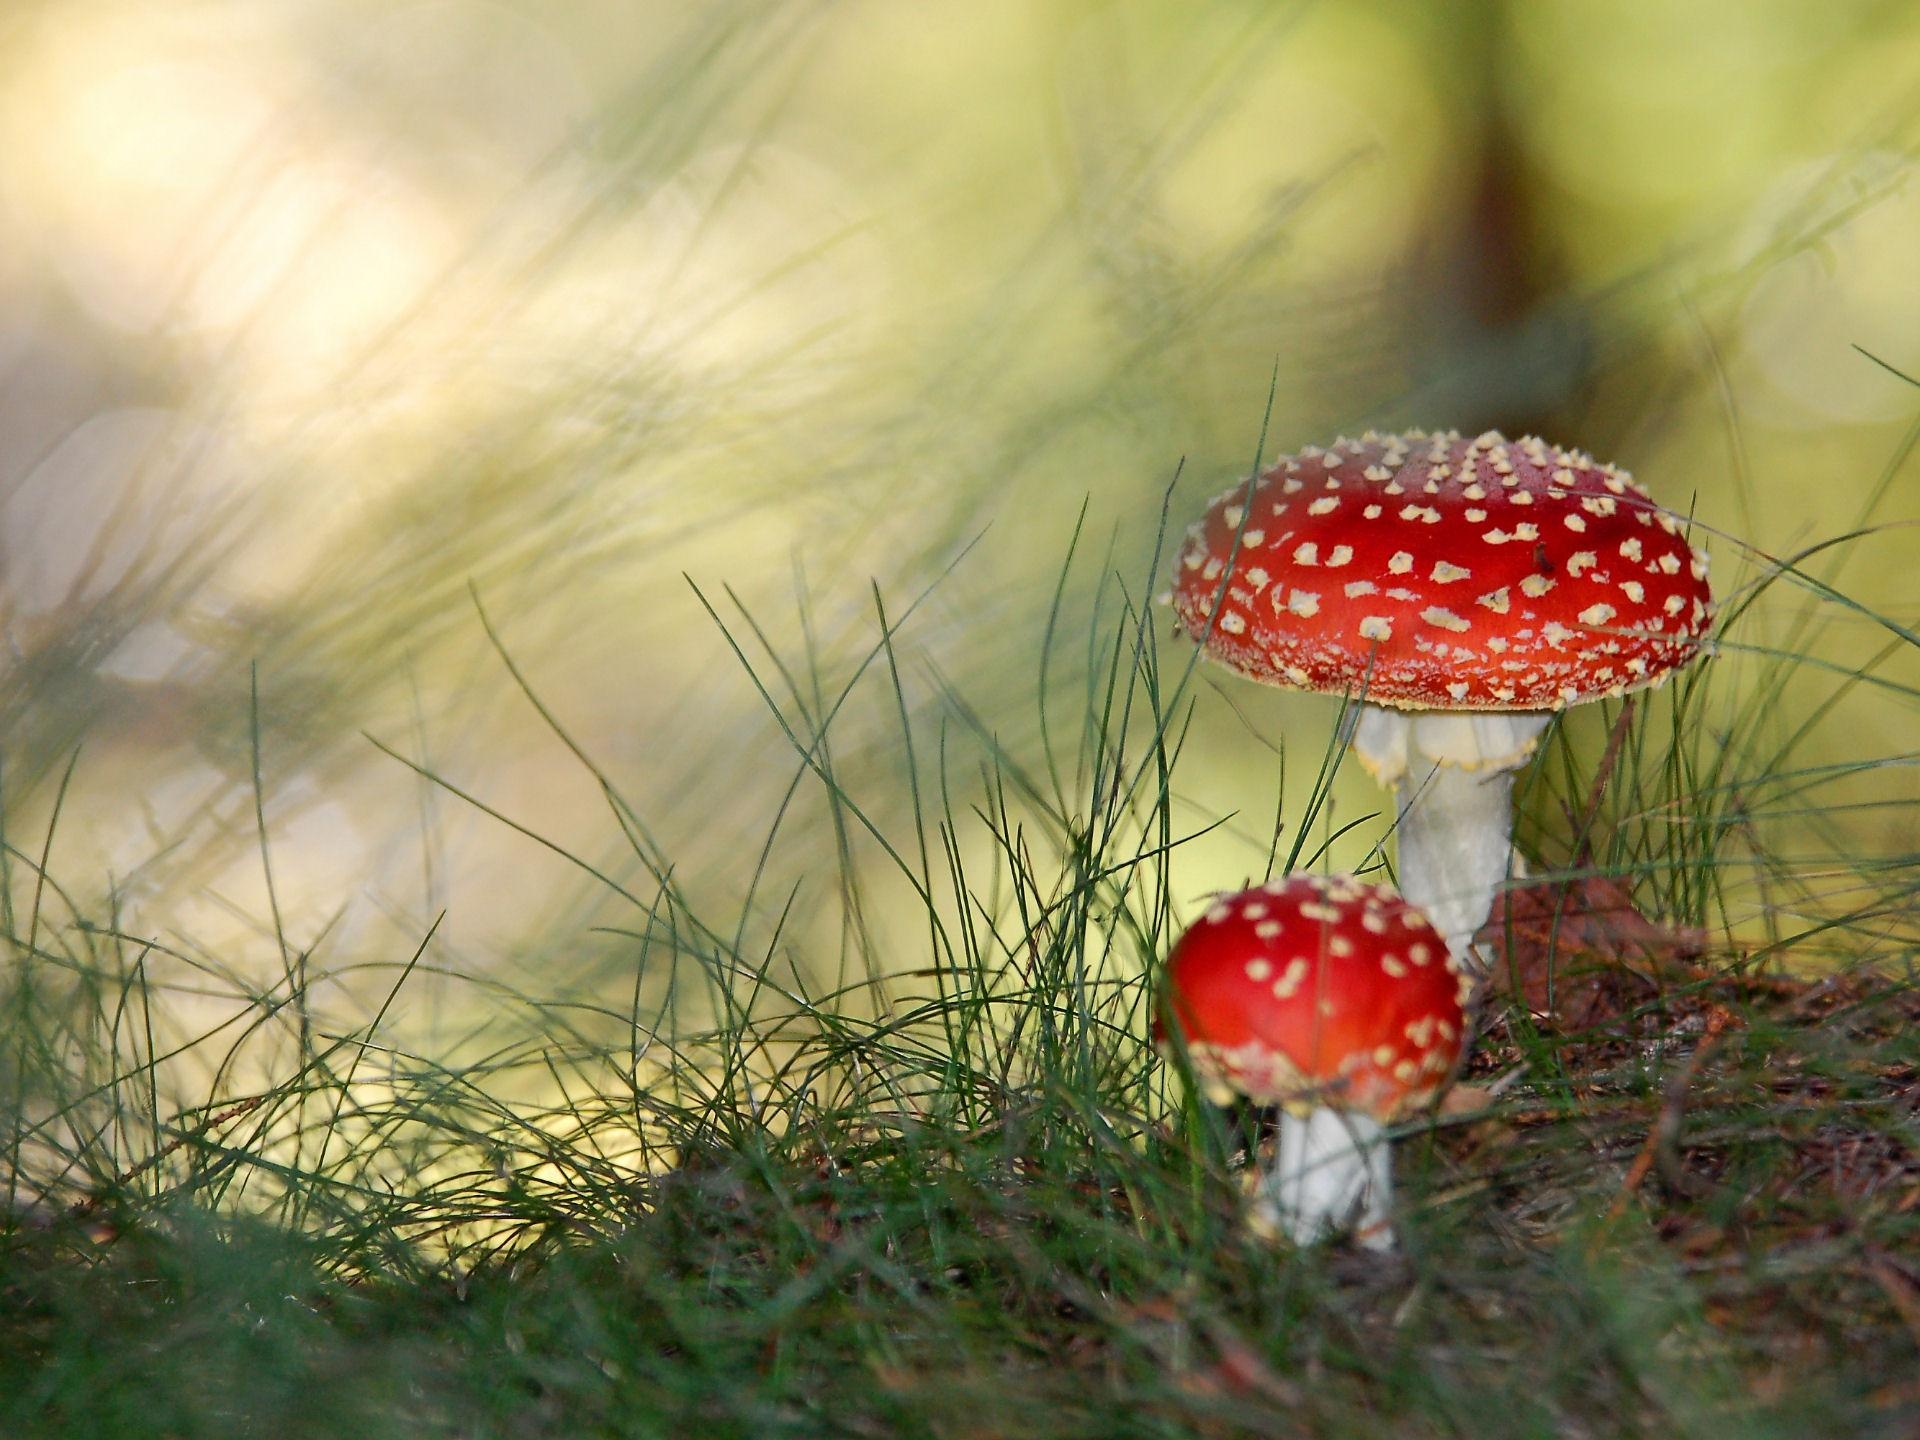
{"x": 1466, "y": 590}
{"x": 1337, "y": 1001}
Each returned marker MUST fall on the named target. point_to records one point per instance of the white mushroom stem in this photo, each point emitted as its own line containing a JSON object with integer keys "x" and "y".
{"x": 1452, "y": 775}
{"x": 1332, "y": 1173}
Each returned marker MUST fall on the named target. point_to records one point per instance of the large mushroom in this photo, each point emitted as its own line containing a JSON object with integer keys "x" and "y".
{"x": 1465, "y": 590}
{"x": 1337, "y": 1001}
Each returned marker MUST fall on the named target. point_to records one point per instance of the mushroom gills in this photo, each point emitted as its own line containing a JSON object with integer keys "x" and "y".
{"x": 1390, "y": 743}
{"x": 1452, "y": 775}
{"x": 1331, "y": 1174}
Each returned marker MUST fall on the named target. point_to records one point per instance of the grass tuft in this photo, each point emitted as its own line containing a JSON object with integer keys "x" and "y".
{"x": 926, "y": 1176}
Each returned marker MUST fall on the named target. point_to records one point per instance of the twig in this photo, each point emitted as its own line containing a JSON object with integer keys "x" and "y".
{"x": 1589, "y": 818}
{"x": 1899, "y": 1288}
{"x": 80, "y": 1209}
{"x": 1662, "y": 1147}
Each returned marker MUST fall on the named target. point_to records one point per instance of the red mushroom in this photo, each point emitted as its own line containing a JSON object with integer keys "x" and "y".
{"x": 1466, "y": 589}
{"x": 1338, "y": 1001}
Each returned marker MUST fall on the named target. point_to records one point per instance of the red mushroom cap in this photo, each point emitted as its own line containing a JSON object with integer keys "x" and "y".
{"x": 1444, "y": 573}
{"x": 1312, "y": 991}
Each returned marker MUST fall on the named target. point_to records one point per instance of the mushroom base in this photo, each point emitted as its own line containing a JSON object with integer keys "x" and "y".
{"x": 1452, "y": 775}
{"x": 1332, "y": 1173}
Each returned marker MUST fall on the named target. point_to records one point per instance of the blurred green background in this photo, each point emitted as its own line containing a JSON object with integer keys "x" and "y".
{"x": 315, "y": 313}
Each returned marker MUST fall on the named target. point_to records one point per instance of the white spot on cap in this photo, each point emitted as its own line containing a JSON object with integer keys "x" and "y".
{"x": 1400, "y": 562}
{"x": 1496, "y": 600}
{"x": 1596, "y": 615}
{"x": 1268, "y": 929}
{"x": 1338, "y": 556}
{"x": 1445, "y": 619}
{"x": 1233, "y": 622}
{"x": 1289, "y": 982}
{"x": 1259, "y": 969}
{"x": 1573, "y": 522}
{"x": 1633, "y": 590}
{"x": 1233, "y": 515}
{"x": 1445, "y": 574}
{"x": 1372, "y": 512}
{"x": 1304, "y": 603}
{"x": 1356, "y": 588}
{"x": 1325, "y": 505}
{"x": 1476, "y": 515}
{"x": 1252, "y": 538}
{"x": 1669, "y": 564}
{"x": 1307, "y": 554}
{"x": 1458, "y": 689}
{"x": 1375, "y": 627}
{"x": 1580, "y": 562}
{"x": 1257, "y": 577}
{"x": 1377, "y": 472}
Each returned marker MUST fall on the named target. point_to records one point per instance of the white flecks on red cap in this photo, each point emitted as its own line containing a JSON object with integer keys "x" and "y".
{"x": 1320, "y": 991}
{"x": 1528, "y": 574}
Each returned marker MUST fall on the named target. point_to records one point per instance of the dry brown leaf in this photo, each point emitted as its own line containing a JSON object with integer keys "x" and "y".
{"x": 1579, "y": 952}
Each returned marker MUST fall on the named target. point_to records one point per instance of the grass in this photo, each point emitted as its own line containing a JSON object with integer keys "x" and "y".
{"x": 949, "y": 1189}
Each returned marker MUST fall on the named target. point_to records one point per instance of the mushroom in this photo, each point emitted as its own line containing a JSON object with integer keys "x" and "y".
{"x": 1337, "y": 1001}
{"x": 1466, "y": 590}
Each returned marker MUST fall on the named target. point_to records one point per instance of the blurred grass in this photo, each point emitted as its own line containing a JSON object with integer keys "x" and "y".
{"x": 954, "y": 1192}
{"x": 723, "y": 1005}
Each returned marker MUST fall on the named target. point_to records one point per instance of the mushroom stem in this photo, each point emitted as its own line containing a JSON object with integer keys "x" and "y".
{"x": 1456, "y": 845}
{"x": 1452, "y": 775}
{"x": 1332, "y": 1172}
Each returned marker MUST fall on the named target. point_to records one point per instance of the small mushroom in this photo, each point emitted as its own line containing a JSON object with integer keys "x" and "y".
{"x": 1337, "y": 1001}
{"x": 1467, "y": 590}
